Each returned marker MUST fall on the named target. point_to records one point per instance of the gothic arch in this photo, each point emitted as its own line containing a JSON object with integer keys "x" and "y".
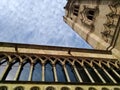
{"x": 81, "y": 70}
{"x": 102, "y": 72}
{"x": 25, "y": 68}
{"x": 9, "y": 58}
{"x": 111, "y": 72}
{"x": 37, "y": 71}
{"x": 70, "y": 70}
{"x": 48, "y": 60}
{"x": 93, "y": 76}
{"x": 62, "y": 62}
{"x": 49, "y": 75}
{"x": 66, "y": 60}
{"x": 60, "y": 71}
{"x": 78, "y": 62}
{"x": 40, "y": 59}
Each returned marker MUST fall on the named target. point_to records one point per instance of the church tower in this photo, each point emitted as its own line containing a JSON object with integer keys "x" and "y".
{"x": 96, "y": 21}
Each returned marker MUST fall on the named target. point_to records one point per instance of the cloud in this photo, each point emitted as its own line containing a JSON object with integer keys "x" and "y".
{"x": 37, "y": 22}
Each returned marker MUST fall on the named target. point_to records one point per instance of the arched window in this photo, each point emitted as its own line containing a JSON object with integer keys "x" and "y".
{"x": 82, "y": 72}
{"x": 25, "y": 71}
{"x": 65, "y": 88}
{"x": 19, "y": 88}
{"x": 49, "y": 72}
{"x": 13, "y": 70}
{"x": 37, "y": 72}
{"x": 50, "y": 88}
{"x": 3, "y": 64}
{"x": 78, "y": 88}
{"x": 102, "y": 73}
{"x": 60, "y": 72}
{"x": 115, "y": 68}
{"x": 111, "y": 73}
{"x": 90, "y": 14}
{"x": 104, "y": 88}
{"x": 92, "y": 73}
{"x": 71, "y": 72}
{"x": 75, "y": 10}
{"x": 75, "y": 7}
{"x": 35, "y": 88}
{"x": 92, "y": 88}
{"x": 3, "y": 87}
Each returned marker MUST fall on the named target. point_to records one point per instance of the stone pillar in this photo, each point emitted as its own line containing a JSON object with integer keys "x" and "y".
{"x": 109, "y": 75}
{"x": 115, "y": 72}
{"x": 66, "y": 73}
{"x": 90, "y": 77}
{"x": 31, "y": 72}
{"x": 55, "y": 74}
{"x": 18, "y": 72}
{"x": 99, "y": 75}
{"x": 43, "y": 72}
{"x": 77, "y": 74}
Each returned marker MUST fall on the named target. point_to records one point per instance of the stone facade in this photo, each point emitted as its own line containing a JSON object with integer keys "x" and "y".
{"x": 60, "y": 68}
{"x": 96, "y": 21}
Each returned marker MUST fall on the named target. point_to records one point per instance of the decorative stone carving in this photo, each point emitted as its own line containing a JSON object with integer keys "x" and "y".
{"x": 89, "y": 15}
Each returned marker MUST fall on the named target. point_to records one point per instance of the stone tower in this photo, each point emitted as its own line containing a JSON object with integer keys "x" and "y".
{"x": 96, "y": 21}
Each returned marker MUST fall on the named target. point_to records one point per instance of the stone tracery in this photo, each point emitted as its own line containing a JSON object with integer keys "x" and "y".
{"x": 71, "y": 69}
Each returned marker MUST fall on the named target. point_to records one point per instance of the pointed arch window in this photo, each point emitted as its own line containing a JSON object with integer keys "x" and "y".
{"x": 3, "y": 64}
{"x": 116, "y": 69}
{"x": 13, "y": 70}
{"x": 71, "y": 72}
{"x": 82, "y": 72}
{"x": 60, "y": 72}
{"x": 111, "y": 73}
{"x": 102, "y": 73}
{"x": 49, "y": 72}
{"x": 25, "y": 71}
{"x": 92, "y": 73}
{"x": 37, "y": 72}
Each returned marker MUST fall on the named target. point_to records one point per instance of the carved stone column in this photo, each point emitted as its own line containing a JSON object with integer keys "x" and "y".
{"x": 55, "y": 74}
{"x": 43, "y": 72}
{"x": 77, "y": 74}
{"x": 66, "y": 73}
{"x": 18, "y": 72}
{"x": 31, "y": 71}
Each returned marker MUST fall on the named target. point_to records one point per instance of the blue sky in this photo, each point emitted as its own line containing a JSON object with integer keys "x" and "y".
{"x": 37, "y": 22}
